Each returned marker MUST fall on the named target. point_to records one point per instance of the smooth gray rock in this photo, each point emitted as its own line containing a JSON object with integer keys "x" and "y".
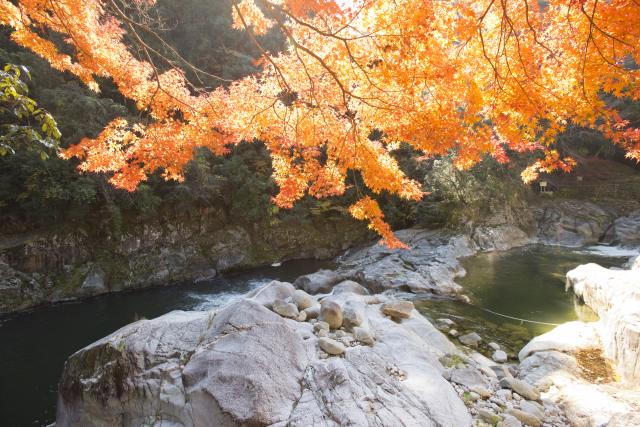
{"x": 331, "y": 313}
{"x": 533, "y": 408}
{"x": 312, "y": 312}
{"x": 321, "y": 326}
{"x": 331, "y": 346}
{"x": 398, "y": 309}
{"x": 472, "y": 339}
{"x": 524, "y": 417}
{"x": 363, "y": 335}
{"x": 509, "y": 421}
{"x": 274, "y": 290}
{"x": 522, "y": 388}
{"x": 350, "y": 286}
{"x": 353, "y": 313}
{"x": 285, "y": 309}
{"x": 302, "y": 299}
{"x": 321, "y": 281}
{"x": 625, "y": 229}
{"x": 499, "y": 356}
{"x": 468, "y": 377}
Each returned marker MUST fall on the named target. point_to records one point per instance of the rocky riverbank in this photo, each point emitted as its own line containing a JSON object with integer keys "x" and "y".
{"x": 283, "y": 357}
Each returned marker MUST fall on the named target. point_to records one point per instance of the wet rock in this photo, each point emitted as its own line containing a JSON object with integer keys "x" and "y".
{"x": 472, "y": 339}
{"x": 331, "y": 313}
{"x": 285, "y": 309}
{"x": 302, "y": 299}
{"x": 499, "y": 356}
{"x": 494, "y": 346}
{"x": 349, "y": 286}
{"x": 321, "y": 281}
{"x": 398, "y": 309}
{"x": 363, "y": 335}
{"x": 331, "y": 346}
{"x": 520, "y": 387}
{"x": 454, "y": 333}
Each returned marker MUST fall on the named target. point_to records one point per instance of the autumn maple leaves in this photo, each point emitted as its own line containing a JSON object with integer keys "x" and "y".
{"x": 471, "y": 77}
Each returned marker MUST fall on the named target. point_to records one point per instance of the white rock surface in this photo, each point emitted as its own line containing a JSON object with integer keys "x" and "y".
{"x": 245, "y": 365}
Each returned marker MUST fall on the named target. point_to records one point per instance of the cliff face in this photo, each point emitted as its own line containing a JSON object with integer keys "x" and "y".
{"x": 50, "y": 267}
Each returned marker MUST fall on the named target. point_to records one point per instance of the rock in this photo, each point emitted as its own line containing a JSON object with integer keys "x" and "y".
{"x": 321, "y": 281}
{"x": 398, "y": 309}
{"x": 349, "y": 286}
{"x": 331, "y": 346}
{"x": 302, "y": 299}
{"x": 524, "y": 417}
{"x": 568, "y": 337}
{"x": 615, "y": 296}
{"x": 285, "y": 309}
{"x": 312, "y": 312}
{"x": 533, "y": 408}
{"x": 302, "y": 317}
{"x": 499, "y": 356}
{"x": 504, "y": 394}
{"x": 494, "y": 346}
{"x": 509, "y": 421}
{"x": 520, "y": 387}
{"x": 453, "y": 332}
{"x": 353, "y": 313}
{"x": 489, "y": 416}
{"x": 472, "y": 339}
{"x": 321, "y": 326}
{"x": 481, "y": 391}
{"x": 633, "y": 263}
{"x": 331, "y": 313}
{"x": 245, "y": 365}
{"x": 95, "y": 281}
{"x": 363, "y": 335}
{"x": 625, "y": 230}
{"x": 267, "y": 294}
{"x": 468, "y": 377}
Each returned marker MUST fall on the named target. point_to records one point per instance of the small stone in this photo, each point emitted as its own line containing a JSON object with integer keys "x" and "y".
{"x": 499, "y": 356}
{"x": 520, "y": 387}
{"x": 313, "y": 312}
{"x": 445, "y": 321}
{"x": 302, "y": 299}
{"x": 489, "y": 416}
{"x": 330, "y": 346}
{"x": 322, "y": 333}
{"x": 504, "y": 394}
{"x": 454, "y": 333}
{"x": 509, "y": 421}
{"x": 494, "y": 346}
{"x": 285, "y": 309}
{"x": 331, "y": 312}
{"x": 340, "y": 334}
{"x": 347, "y": 340}
{"x": 528, "y": 419}
{"x": 353, "y": 314}
{"x": 320, "y": 326}
{"x": 349, "y": 286}
{"x": 363, "y": 335}
{"x": 398, "y": 309}
{"x": 472, "y": 339}
{"x": 533, "y": 408}
{"x": 301, "y": 317}
{"x": 482, "y": 391}
{"x": 474, "y": 396}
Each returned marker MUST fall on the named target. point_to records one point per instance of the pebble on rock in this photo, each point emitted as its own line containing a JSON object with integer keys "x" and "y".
{"x": 331, "y": 346}
{"x": 363, "y": 335}
{"x": 494, "y": 346}
{"x": 320, "y": 326}
{"x": 302, "y": 299}
{"x": 331, "y": 312}
{"x": 499, "y": 356}
{"x": 528, "y": 419}
{"x": 472, "y": 339}
{"x": 285, "y": 309}
{"x": 312, "y": 312}
{"x": 398, "y": 309}
{"x": 520, "y": 387}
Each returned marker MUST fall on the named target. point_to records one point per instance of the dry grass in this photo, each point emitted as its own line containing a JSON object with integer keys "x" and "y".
{"x": 594, "y": 366}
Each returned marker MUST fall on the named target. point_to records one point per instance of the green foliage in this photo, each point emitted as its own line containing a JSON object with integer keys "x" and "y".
{"x": 23, "y": 125}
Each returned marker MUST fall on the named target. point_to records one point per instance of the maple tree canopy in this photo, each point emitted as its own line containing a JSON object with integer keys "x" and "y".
{"x": 465, "y": 77}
